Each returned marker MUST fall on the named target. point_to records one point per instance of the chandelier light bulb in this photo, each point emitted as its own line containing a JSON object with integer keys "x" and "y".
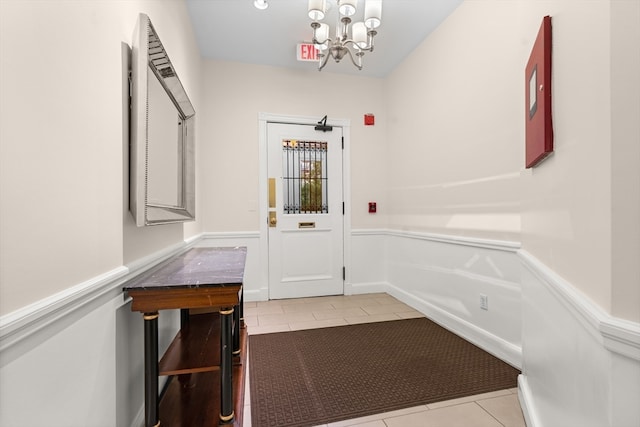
{"x": 317, "y": 9}
{"x": 373, "y": 13}
{"x": 347, "y": 7}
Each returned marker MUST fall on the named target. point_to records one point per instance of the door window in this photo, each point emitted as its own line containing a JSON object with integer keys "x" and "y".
{"x": 304, "y": 177}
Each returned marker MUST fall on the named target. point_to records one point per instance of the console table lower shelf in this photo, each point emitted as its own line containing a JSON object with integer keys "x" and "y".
{"x": 191, "y": 397}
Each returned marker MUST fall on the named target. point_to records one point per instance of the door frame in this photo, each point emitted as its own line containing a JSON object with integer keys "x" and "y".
{"x": 263, "y": 120}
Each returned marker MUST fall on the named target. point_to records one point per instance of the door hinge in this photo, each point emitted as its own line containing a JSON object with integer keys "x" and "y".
{"x": 343, "y": 142}
{"x": 343, "y": 208}
{"x": 344, "y": 273}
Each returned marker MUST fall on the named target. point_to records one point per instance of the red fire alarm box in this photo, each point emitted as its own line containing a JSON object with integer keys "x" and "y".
{"x": 369, "y": 119}
{"x": 372, "y": 207}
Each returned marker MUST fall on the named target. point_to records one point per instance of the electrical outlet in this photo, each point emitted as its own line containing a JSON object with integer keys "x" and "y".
{"x": 484, "y": 302}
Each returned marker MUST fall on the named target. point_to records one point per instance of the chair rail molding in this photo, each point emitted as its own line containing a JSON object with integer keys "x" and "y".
{"x": 617, "y": 335}
{"x": 503, "y": 245}
{"x": 20, "y": 324}
{"x": 63, "y": 308}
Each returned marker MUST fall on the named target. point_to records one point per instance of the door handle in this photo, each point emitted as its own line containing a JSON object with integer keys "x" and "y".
{"x": 272, "y": 192}
{"x": 273, "y": 220}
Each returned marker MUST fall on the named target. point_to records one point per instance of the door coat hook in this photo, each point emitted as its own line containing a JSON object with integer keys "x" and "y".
{"x": 322, "y": 125}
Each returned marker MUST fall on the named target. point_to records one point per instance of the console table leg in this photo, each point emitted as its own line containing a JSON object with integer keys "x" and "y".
{"x": 236, "y": 332}
{"x": 151, "y": 369}
{"x": 184, "y": 317}
{"x": 226, "y": 367}
{"x": 241, "y": 310}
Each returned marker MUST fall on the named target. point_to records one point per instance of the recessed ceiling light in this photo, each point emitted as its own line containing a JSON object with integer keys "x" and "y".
{"x": 261, "y": 4}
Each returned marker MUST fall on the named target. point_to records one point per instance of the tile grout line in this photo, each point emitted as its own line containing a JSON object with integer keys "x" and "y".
{"x": 490, "y": 414}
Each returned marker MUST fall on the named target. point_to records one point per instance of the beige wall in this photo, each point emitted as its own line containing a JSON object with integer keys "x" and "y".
{"x": 63, "y": 211}
{"x": 625, "y": 158}
{"x": 456, "y": 126}
{"x": 568, "y": 213}
{"x": 236, "y": 93}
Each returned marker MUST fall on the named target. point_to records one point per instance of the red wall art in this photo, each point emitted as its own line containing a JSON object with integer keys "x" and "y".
{"x": 539, "y": 130}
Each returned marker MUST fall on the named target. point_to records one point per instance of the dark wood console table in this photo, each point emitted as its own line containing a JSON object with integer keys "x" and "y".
{"x": 200, "y": 278}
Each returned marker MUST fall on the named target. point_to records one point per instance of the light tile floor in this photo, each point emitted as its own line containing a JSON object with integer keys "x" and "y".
{"x": 496, "y": 409}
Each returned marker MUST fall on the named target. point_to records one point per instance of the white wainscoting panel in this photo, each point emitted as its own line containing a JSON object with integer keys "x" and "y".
{"x": 444, "y": 277}
{"x": 367, "y": 269}
{"x": 581, "y": 366}
{"x": 71, "y": 376}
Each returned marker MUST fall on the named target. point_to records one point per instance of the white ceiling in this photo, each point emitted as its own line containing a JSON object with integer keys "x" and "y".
{"x": 234, "y": 30}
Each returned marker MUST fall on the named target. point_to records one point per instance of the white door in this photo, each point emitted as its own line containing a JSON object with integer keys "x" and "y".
{"x": 306, "y": 208}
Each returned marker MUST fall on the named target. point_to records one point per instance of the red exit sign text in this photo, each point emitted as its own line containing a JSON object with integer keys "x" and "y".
{"x": 307, "y": 52}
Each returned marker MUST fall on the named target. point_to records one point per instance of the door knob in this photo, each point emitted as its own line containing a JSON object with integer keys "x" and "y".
{"x": 272, "y": 219}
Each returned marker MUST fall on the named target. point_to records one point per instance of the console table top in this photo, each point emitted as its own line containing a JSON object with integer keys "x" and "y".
{"x": 197, "y": 267}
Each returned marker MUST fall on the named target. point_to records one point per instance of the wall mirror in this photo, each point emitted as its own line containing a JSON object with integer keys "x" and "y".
{"x": 162, "y": 152}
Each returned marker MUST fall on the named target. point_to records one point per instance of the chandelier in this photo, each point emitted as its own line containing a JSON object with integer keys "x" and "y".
{"x": 352, "y": 40}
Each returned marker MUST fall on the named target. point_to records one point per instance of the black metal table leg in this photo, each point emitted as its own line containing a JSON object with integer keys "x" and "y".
{"x": 151, "y": 369}
{"x": 184, "y": 317}
{"x": 241, "y": 309}
{"x": 226, "y": 367}
{"x": 236, "y": 331}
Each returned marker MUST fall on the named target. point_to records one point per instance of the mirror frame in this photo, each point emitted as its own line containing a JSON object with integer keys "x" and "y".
{"x": 148, "y": 53}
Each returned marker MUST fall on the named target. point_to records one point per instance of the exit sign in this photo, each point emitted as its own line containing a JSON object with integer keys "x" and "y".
{"x": 307, "y": 52}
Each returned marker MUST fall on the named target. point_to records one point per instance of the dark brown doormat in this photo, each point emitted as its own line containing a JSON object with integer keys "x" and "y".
{"x": 316, "y": 376}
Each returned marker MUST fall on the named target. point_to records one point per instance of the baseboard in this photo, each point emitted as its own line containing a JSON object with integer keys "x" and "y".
{"x": 253, "y": 295}
{"x": 138, "y": 421}
{"x": 490, "y": 343}
{"x": 526, "y": 402}
{"x": 365, "y": 288}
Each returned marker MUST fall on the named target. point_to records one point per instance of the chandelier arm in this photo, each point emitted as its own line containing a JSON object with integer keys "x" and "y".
{"x": 326, "y": 43}
{"x": 359, "y": 55}
{"x": 367, "y": 48}
{"x": 354, "y": 44}
{"x": 321, "y": 64}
